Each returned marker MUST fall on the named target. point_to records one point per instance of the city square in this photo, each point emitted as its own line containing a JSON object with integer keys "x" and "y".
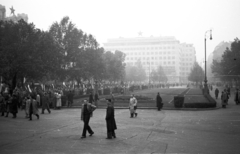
{"x": 213, "y": 130}
{"x": 119, "y": 76}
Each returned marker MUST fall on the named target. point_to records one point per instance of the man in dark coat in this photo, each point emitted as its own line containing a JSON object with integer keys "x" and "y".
{"x": 159, "y": 102}
{"x": 110, "y": 120}
{"x": 14, "y": 106}
{"x": 86, "y": 113}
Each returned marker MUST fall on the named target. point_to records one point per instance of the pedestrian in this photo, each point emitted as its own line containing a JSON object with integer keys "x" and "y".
{"x": 96, "y": 98}
{"x": 8, "y": 102}
{"x": 216, "y": 93}
{"x": 38, "y": 100}
{"x": 86, "y": 113}
{"x": 2, "y": 105}
{"x": 14, "y": 105}
{"x": 27, "y": 106}
{"x": 91, "y": 98}
{"x": 45, "y": 103}
{"x": 110, "y": 121}
{"x": 59, "y": 101}
{"x": 237, "y": 97}
{"x": 33, "y": 107}
{"x": 112, "y": 99}
{"x": 131, "y": 107}
{"x": 224, "y": 98}
{"x": 135, "y": 105}
{"x": 159, "y": 102}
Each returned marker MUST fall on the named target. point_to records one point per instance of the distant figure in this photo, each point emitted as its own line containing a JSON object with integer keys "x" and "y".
{"x": 91, "y": 98}
{"x": 14, "y": 105}
{"x": 237, "y": 97}
{"x": 112, "y": 99}
{"x": 33, "y": 108}
{"x": 216, "y": 93}
{"x": 133, "y": 106}
{"x": 59, "y": 101}
{"x": 2, "y": 105}
{"x": 110, "y": 120}
{"x": 86, "y": 113}
{"x": 45, "y": 103}
{"x": 224, "y": 98}
{"x": 159, "y": 102}
{"x": 96, "y": 99}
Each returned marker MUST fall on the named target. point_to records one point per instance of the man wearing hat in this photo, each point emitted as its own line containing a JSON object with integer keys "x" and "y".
{"x": 110, "y": 120}
{"x": 86, "y": 113}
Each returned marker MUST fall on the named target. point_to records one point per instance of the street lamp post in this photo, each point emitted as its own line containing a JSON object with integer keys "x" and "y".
{"x": 206, "y": 90}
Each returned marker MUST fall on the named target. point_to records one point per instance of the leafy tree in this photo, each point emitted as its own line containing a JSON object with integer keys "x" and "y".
{"x": 228, "y": 68}
{"x": 196, "y": 74}
{"x": 115, "y": 66}
{"x": 26, "y": 52}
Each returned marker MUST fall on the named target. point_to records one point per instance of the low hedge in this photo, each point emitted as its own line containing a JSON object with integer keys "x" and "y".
{"x": 200, "y": 105}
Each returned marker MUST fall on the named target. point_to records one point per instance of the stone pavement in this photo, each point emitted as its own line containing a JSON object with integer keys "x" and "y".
{"x": 167, "y": 131}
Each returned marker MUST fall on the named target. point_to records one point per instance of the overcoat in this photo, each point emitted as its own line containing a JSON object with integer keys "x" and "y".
{"x": 131, "y": 105}
{"x": 110, "y": 119}
{"x": 2, "y": 104}
{"x": 14, "y": 105}
{"x": 33, "y": 108}
{"x": 159, "y": 101}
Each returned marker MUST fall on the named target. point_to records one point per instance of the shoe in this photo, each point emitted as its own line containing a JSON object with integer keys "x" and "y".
{"x": 42, "y": 113}
{"x": 83, "y": 137}
{"x": 30, "y": 120}
{"x": 91, "y": 134}
{"x": 136, "y": 114}
{"x": 114, "y": 136}
{"x": 38, "y": 116}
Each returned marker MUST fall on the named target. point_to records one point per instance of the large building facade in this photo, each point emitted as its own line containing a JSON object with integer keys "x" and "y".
{"x": 176, "y": 59}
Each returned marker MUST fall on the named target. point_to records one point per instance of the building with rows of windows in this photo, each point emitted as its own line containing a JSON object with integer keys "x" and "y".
{"x": 176, "y": 58}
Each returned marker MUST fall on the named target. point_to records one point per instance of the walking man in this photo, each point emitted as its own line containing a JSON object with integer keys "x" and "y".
{"x": 86, "y": 113}
{"x": 135, "y": 105}
{"x": 110, "y": 120}
{"x": 159, "y": 102}
{"x": 237, "y": 97}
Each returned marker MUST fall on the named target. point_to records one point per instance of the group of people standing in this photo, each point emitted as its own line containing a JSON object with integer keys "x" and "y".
{"x": 225, "y": 95}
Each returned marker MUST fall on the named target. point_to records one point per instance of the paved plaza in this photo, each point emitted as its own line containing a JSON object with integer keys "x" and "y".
{"x": 168, "y": 131}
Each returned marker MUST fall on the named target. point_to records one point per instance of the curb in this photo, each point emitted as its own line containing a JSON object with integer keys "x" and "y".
{"x": 151, "y": 108}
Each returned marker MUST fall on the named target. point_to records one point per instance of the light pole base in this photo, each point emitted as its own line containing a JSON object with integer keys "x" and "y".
{"x": 205, "y": 90}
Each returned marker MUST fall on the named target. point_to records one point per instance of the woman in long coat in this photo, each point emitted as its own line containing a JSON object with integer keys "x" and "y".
{"x": 110, "y": 120}
{"x": 59, "y": 101}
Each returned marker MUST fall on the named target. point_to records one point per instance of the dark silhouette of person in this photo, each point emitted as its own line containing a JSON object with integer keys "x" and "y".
{"x": 86, "y": 113}
{"x": 110, "y": 120}
{"x": 159, "y": 102}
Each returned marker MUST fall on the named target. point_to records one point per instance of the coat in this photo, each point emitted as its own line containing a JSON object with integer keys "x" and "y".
{"x": 90, "y": 108}
{"x": 2, "y": 104}
{"x": 45, "y": 101}
{"x": 131, "y": 105}
{"x": 159, "y": 101}
{"x": 33, "y": 108}
{"x": 110, "y": 119}
{"x": 59, "y": 101}
{"x": 14, "y": 105}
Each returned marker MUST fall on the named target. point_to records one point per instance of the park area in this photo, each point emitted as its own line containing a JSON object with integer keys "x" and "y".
{"x": 147, "y": 98}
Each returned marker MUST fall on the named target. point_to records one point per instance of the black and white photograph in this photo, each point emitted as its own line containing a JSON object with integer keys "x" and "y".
{"x": 119, "y": 76}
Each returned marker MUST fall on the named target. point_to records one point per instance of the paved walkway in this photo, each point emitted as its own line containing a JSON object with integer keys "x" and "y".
{"x": 167, "y": 131}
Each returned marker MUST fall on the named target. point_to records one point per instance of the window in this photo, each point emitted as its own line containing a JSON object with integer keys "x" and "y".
{"x": 173, "y": 57}
{"x": 164, "y": 57}
{"x": 173, "y": 62}
{"x": 152, "y": 58}
{"x": 152, "y": 63}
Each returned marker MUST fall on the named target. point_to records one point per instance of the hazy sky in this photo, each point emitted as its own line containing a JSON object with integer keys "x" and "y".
{"x": 187, "y": 20}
